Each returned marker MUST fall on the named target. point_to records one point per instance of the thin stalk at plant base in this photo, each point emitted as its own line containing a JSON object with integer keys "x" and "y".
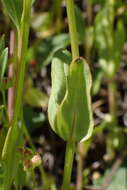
{"x": 112, "y": 100}
{"x": 70, "y": 147}
{"x": 13, "y": 46}
{"x": 112, "y": 93}
{"x": 80, "y": 158}
{"x": 69, "y": 157}
{"x": 72, "y": 28}
{"x": 15, "y": 131}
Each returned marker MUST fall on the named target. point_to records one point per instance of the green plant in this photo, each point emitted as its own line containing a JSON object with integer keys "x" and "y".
{"x": 69, "y": 110}
{"x": 97, "y": 31}
{"x": 109, "y": 43}
{"x": 3, "y": 111}
{"x": 20, "y": 16}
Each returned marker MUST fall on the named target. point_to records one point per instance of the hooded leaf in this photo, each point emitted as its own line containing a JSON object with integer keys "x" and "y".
{"x": 74, "y": 117}
{"x": 58, "y": 84}
{"x": 70, "y": 112}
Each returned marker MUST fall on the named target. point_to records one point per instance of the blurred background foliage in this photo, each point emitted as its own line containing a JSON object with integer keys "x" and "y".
{"x": 99, "y": 162}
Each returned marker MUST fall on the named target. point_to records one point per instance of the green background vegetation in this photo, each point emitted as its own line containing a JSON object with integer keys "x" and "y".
{"x": 49, "y": 56}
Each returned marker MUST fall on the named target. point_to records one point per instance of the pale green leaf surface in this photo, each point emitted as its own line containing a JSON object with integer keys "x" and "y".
{"x": 59, "y": 67}
{"x": 119, "y": 181}
{"x": 69, "y": 111}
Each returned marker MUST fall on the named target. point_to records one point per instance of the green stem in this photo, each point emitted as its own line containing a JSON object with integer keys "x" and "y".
{"x": 4, "y": 103}
{"x": 72, "y": 28}
{"x": 69, "y": 157}
{"x": 80, "y": 158}
{"x": 9, "y": 153}
{"x": 70, "y": 147}
{"x": 112, "y": 100}
{"x": 23, "y": 35}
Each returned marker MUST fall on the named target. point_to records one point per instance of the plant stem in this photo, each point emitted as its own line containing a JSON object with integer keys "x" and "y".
{"x": 23, "y": 43}
{"x": 89, "y": 12}
{"x": 112, "y": 100}
{"x": 70, "y": 147}
{"x": 69, "y": 157}
{"x": 72, "y": 28}
{"x": 79, "y": 181}
{"x": 10, "y": 76}
{"x": 9, "y": 153}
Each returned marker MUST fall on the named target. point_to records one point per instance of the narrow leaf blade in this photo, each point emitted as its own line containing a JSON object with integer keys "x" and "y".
{"x": 3, "y": 63}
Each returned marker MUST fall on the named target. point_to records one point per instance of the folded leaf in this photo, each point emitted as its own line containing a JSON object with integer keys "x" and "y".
{"x": 70, "y": 112}
{"x": 59, "y": 67}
